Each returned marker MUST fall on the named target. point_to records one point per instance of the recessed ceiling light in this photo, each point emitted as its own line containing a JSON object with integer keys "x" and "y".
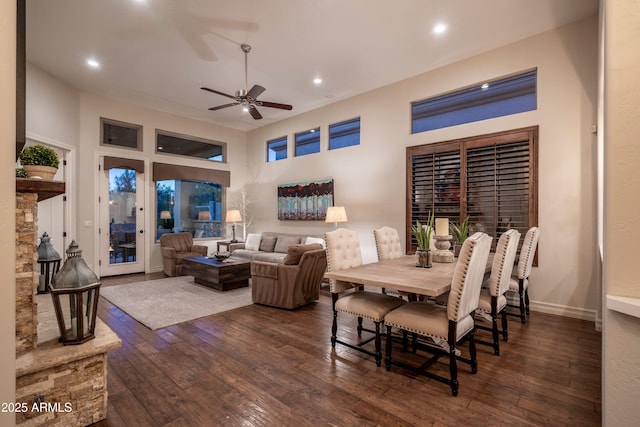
{"x": 93, "y": 63}
{"x": 439, "y": 28}
{"x": 317, "y": 81}
{"x": 485, "y": 86}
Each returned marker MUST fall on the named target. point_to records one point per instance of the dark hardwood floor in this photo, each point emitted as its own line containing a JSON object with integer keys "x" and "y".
{"x": 261, "y": 366}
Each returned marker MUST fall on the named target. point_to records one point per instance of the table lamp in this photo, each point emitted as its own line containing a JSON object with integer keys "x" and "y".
{"x": 233, "y": 216}
{"x": 336, "y": 214}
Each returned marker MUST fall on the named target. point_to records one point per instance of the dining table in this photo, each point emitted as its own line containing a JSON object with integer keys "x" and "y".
{"x": 402, "y": 274}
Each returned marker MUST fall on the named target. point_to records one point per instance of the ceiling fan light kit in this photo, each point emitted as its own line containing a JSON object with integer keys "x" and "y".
{"x": 247, "y": 98}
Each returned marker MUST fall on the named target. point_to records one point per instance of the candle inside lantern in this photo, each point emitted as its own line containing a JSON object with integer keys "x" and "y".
{"x": 442, "y": 226}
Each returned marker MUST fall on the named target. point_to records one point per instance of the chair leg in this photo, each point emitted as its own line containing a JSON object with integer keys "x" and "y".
{"x": 505, "y": 332}
{"x": 495, "y": 334}
{"x": 472, "y": 352}
{"x": 494, "y": 325}
{"x": 521, "y": 294}
{"x": 526, "y": 300}
{"x": 387, "y": 359}
{"x": 359, "y": 326}
{"x": 334, "y": 326}
{"x": 453, "y": 369}
{"x": 378, "y": 345}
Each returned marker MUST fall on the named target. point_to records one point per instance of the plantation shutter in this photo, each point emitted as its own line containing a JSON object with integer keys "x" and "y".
{"x": 490, "y": 178}
{"x": 435, "y": 186}
{"x": 498, "y": 188}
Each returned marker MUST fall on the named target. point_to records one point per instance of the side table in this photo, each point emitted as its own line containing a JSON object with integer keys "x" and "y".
{"x": 226, "y": 243}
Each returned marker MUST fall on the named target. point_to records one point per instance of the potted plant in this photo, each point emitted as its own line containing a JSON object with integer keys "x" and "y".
{"x": 422, "y": 233}
{"x": 460, "y": 232}
{"x": 39, "y": 161}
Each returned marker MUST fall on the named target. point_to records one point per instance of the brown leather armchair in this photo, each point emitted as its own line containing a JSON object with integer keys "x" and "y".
{"x": 175, "y": 247}
{"x": 292, "y": 284}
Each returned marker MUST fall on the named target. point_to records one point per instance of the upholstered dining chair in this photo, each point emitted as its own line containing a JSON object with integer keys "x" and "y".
{"x": 446, "y": 326}
{"x": 520, "y": 279}
{"x": 387, "y": 243}
{"x": 492, "y": 296}
{"x": 343, "y": 251}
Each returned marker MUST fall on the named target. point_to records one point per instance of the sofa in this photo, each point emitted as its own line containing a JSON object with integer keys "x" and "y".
{"x": 271, "y": 246}
{"x": 175, "y": 247}
{"x": 294, "y": 282}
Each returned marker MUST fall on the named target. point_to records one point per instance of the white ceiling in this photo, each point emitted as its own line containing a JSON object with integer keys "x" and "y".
{"x": 158, "y": 53}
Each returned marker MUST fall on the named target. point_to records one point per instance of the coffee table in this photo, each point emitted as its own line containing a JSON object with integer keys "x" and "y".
{"x": 232, "y": 273}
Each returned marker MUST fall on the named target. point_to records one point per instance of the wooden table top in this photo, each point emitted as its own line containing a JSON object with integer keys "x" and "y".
{"x": 402, "y": 274}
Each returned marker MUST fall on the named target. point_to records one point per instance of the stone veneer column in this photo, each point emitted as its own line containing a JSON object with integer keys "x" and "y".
{"x": 26, "y": 271}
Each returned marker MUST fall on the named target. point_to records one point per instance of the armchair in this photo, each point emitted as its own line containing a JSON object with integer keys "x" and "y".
{"x": 175, "y": 247}
{"x": 292, "y": 284}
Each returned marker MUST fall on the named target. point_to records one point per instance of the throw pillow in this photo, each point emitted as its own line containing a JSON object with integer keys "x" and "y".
{"x": 295, "y": 252}
{"x": 268, "y": 243}
{"x": 253, "y": 242}
{"x": 283, "y": 243}
{"x": 311, "y": 240}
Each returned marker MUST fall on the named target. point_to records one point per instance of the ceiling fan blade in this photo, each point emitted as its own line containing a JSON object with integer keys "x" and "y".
{"x": 255, "y": 91}
{"x": 218, "y": 92}
{"x": 220, "y": 107}
{"x": 255, "y": 113}
{"x": 276, "y": 105}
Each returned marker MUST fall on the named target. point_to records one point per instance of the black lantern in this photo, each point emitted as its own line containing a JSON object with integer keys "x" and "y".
{"x": 49, "y": 260}
{"x": 75, "y": 290}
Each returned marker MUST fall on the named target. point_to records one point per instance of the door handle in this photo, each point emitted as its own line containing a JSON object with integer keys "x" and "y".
{"x": 141, "y": 231}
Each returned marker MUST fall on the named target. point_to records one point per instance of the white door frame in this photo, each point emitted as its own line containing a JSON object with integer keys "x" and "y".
{"x": 102, "y": 229}
{"x": 70, "y": 184}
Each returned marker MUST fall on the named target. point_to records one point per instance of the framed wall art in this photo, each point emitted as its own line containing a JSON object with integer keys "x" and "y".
{"x": 305, "y": 200}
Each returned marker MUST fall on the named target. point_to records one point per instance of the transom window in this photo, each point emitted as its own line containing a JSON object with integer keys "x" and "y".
{"x": 344, "y": 134}
{"x": 501, "y": 97}
{"x": 490, "y": 178}
{"x": 307, "y": 142}
{"x": 120, "y": 134}
{"x": 191, "y": 146}
{"x": 277, "y": 149}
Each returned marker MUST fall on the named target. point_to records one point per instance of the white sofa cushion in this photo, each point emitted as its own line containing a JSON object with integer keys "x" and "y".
{"x": 253, "y": 242}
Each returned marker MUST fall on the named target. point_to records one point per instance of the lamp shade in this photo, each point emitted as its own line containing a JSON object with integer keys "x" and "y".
{"x": 233, "y": 215}
{"x": 336, "y": 214}
{"x": 204, "y": 216}
{"x": 165, "y": 215}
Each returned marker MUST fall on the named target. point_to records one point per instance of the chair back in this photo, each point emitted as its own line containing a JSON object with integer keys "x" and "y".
{"x": 527, "y": 252}
{"x": 502, "y": 266}
{"x": 467, "y": 276}
{"x": 343, "y": 251}
{"x": 387, "y": 243}
{"x": 181, "y": 242}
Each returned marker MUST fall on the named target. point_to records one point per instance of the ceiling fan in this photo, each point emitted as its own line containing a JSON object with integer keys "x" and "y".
{"x": 247, "y": 98}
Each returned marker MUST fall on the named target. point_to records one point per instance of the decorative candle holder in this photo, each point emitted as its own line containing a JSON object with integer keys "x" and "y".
{"x": 443, "y": 253}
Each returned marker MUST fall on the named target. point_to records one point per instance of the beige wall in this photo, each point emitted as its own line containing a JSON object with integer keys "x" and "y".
{"x": 370, "y": 178}
{"x": 621, "y": 337}
{"x": 59, "y": 113}
{"x": 7, "y": 206}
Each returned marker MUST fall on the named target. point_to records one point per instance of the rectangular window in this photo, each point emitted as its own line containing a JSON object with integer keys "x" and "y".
{"x": 120, "y": 134}
{"x": 307, "y": 142}
{"x": 190, "y": 146}
{"x": 192, "y": 206}
{"x": 344, "y": 134}
{"x": 502, "y": 97}
{"x": 277, "y": 149}
{"x": 490, "y": 178}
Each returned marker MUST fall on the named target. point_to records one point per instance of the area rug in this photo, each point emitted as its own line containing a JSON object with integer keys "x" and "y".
{"x": 165, "y": 302}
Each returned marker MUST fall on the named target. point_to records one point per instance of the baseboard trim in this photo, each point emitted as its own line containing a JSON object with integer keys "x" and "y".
{"x": 560, "y": 310}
